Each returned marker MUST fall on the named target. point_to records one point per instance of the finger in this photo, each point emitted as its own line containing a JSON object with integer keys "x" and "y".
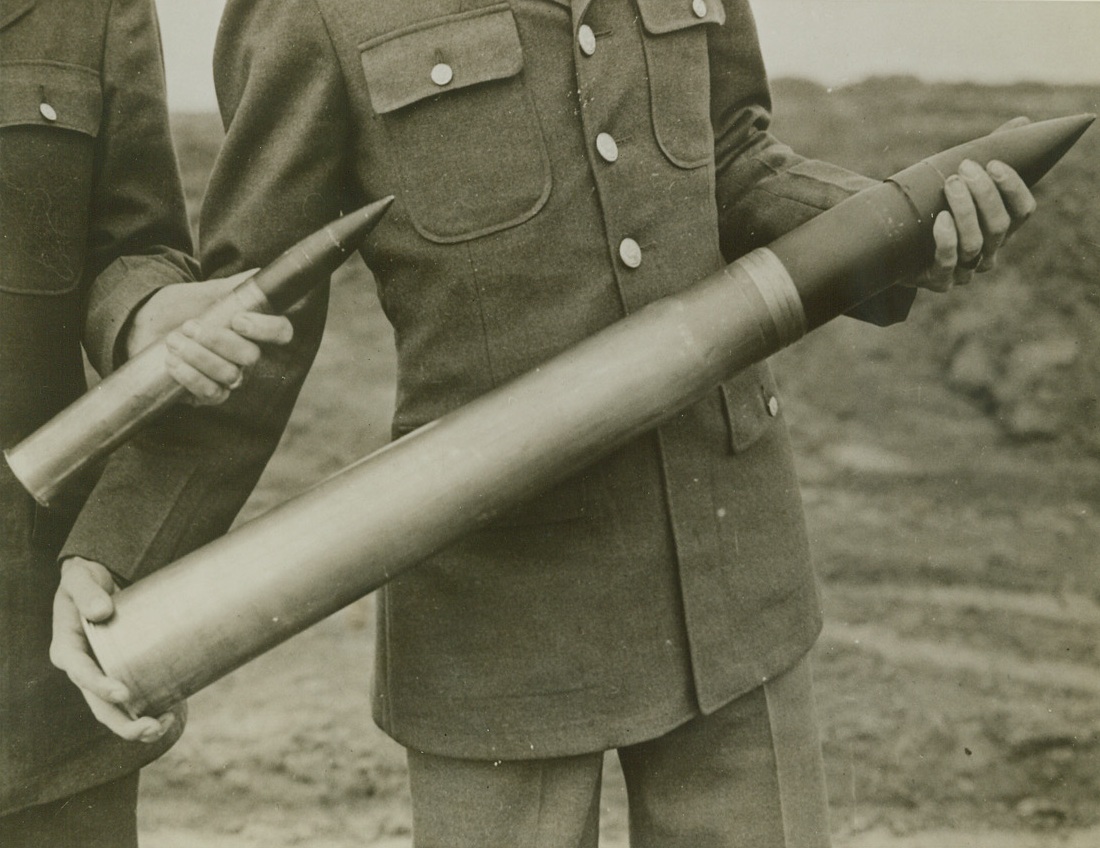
{"x": 940, "y": 275}
{"x": 265, "y": 329}
{"x": 83, "y": 671}
{"x": 202, "y": 391}
{"x": 1017, "y": 197}
{"x": 209, "y": 365}
{"x": 90, "y": 598}
{"x": 234, "y": 280}
{"x": 992, "y": 214}
{"x": 218, "y": 352}
{"x": 967, "y": 225}
{"x": 118, "y": 721}
{"x": 69, "y": 651}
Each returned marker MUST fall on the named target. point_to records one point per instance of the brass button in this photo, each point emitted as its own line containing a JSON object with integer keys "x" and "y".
{"x": 699, "y": 7}
{"x": 586, "y": 38}
{"x": 607, "y": 147}
{"x": 47, "y": 111}
{"x": 773, "y": 406}
{"x": 630, "y": 252}
{"x": 442, "y": 74}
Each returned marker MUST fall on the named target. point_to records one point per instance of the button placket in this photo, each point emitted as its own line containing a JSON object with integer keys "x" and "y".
{"x": 630, "y": 252}
{"x": 586, "y": 39}
{"x": 612, "y": 110}
{"x": 607, "y": 147}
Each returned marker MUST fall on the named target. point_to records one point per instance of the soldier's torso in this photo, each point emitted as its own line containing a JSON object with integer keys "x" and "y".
{"x": 51, "y": 103}
{"x": 554, "y": 166}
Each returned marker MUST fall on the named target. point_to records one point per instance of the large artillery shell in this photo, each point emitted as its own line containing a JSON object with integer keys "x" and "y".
{"x": 173, "y": 633}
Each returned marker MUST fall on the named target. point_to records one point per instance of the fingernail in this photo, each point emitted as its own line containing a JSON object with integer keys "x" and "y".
{"x": 998, "y": 170}
{"x": 954, "y": 183}
{"x": 970, "y": 168}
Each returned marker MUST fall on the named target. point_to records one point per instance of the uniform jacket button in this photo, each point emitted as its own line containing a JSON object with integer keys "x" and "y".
{"x": 607, "y": 147}
{"x": 442, "y": 74}
{"x": 586, "y": 38}
{"x": 47, "y": 111}
{"x": 630, "y": 252}
{"x": 699, "y": 7}
{"x": 773, "y": 406}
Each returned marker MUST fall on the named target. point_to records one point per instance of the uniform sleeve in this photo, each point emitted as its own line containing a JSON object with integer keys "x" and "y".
{"x": 180, "y": 483}
{"x": 763, "y": 188}
{"x": 139, "y": 238}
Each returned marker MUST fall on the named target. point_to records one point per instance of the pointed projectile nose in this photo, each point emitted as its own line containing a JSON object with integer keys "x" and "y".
{"x": 1031, "y": 150}
{"x": 349, "y": 231}
{"x": 290, "y": 277}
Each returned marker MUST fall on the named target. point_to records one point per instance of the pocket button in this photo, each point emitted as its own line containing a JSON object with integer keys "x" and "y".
{"x": 47, "y": 111}
{"x": 442, "y": 74}
{"x": 699, "y": 7}
{"x": 773, "y": 406}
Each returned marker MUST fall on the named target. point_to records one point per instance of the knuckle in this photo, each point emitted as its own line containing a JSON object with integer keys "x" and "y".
{"x": 999, "y": 223}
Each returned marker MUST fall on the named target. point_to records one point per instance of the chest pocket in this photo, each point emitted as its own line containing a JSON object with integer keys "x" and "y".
{"x": 50, "y": 115}
{"x": 460, "y": 123}
{"x": 675, "y": 40}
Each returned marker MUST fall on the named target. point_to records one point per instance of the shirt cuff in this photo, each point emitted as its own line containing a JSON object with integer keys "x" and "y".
{"x": 115, "y": 296}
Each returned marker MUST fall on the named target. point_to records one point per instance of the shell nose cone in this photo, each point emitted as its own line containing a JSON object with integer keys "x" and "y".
{"x": 1031, "y": 150}
{"x": 350, "y": 230}
{"x": 1048, "y": 142}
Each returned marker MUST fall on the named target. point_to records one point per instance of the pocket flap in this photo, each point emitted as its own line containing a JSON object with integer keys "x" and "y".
{"x": 11, "y": 12}
{"x": 661, "y": 16}
{"x": 750, "y": 405}
{"x": 441, "y": 55}
{"x": 50, "y": 94}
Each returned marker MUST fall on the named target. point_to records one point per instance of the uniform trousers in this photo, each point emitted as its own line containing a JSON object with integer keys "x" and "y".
{"x": 749, "y": 775}
{"x": 104, "y": 816}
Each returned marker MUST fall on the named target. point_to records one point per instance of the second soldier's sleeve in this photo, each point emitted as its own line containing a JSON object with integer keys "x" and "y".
{"x": 180, "y": 483}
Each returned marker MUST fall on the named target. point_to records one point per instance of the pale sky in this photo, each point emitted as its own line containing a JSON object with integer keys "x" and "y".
{"x": 832, "y": 41}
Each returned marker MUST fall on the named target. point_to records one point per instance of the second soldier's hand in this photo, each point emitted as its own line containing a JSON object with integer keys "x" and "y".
{"x": 209, "y": 362}
{"x": 85, "y": 592}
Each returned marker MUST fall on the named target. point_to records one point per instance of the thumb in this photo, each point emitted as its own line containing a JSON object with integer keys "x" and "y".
{"x": 233, "y": 280}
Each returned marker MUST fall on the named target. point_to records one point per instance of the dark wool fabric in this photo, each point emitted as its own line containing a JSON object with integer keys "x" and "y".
{"x": 670, "y": 577}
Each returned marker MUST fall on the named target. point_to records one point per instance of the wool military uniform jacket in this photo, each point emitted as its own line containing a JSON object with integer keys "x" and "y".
{"x": 87, "y": 175}
{"x": 92, "y": 222}
{"x": 557, "y": 166}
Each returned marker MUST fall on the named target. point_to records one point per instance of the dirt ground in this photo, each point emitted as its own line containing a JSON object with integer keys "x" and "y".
{"x": 959, "y": 671}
